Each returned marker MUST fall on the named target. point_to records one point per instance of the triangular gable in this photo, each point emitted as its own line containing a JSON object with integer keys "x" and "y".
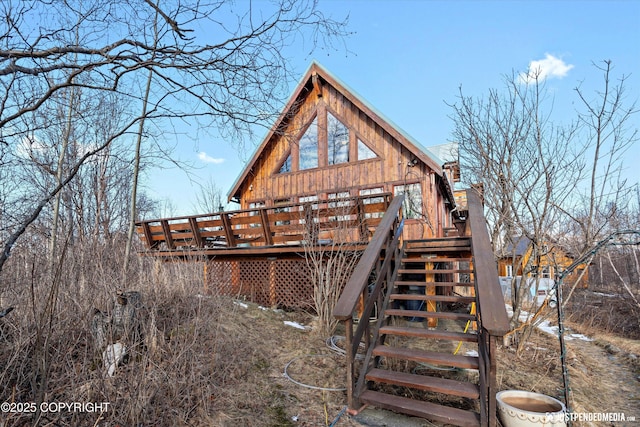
{"x": 310, "y": 80}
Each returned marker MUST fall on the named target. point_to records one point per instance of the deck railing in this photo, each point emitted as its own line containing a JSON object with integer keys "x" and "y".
{"x": 284, "y": 224}
{"x": 369, "y": 284}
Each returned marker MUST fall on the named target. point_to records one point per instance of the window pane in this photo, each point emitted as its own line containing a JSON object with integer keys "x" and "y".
{"x": 286, "y": 166}
{"x": 340, "y": 205}
{"x": 368, "y": 201}
{"x": 279, "y": 209}
{"x": 365, "y": 152}
{"x": 309, "y": 147}
{"x": 412, "y": 205}
{"x": 338, "y": 140}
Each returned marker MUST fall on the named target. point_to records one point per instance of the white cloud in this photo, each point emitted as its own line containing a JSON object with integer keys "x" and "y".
{"x": 208, "y": 159}
{"x": 549, "y": 67}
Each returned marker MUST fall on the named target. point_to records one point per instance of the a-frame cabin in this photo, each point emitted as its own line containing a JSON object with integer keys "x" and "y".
{"x": 336, "y": 175}
{"x": 330, "y": 143}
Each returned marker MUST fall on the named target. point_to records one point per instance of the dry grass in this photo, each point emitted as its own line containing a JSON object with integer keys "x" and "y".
{"x": 605, "y": 312}
{"x": 209, "y": 361}
{"x": 600, "y": 379}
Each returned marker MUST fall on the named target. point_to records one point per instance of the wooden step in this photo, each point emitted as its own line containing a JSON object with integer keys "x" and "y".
{"x": 429, "y": 357}
{"x": 430, "y": 314}
{"x": 442, "y": 298}
{"x": 437, "y": 250}
{"x": 430, "y": 283}
{"x": 428, "y": 410}
{"x": 433, "y": 271}
{"x": 420, "y": 259}
{"x": 439, "y": 241}
{"x": 426, "y": 383}
{"x": 421, "y": 332}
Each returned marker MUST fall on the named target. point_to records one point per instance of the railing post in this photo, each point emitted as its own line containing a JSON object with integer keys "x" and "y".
{"x": 266, "y": 229}
{"x": 167, "y": 234}
{"x": 493, "y": 385}
{"x": 348, "y": 324}
{"x": 195, "y": 230}
{"x": 228, "y": 230}
{"x": 485, "y": 415}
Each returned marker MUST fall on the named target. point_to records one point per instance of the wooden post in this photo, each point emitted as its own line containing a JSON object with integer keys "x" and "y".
{"x": 195, "y": 231}
{"x": 266, "y": 229}
{"x": 493, "y": 386}
{"x": 148, "y": 237}
{"x": 348, "y": 345}
{"x": 432, "y": 322}
{"x": 166, "y": 230}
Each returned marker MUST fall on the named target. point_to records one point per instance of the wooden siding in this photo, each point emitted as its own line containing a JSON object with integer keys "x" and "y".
{"x": 389, "y": 169}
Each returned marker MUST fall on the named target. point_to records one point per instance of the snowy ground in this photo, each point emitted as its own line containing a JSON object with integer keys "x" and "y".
{"x": 546, "y": 326}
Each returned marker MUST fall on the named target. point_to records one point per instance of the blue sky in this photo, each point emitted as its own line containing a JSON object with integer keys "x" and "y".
{"x": 409, "y": 59}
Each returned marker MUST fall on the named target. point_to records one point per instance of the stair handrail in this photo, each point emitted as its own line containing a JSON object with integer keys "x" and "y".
{"x": 385, "y": 241}
{"x": 491, "y": 308}
{"x": 493, "y": 321}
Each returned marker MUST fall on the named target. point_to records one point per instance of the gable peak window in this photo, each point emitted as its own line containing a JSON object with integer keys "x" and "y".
{"x": 337, "y": 141}
{"x": 308, "y": 146}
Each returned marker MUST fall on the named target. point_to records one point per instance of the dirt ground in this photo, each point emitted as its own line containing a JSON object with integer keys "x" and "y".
{"x": 604, "y": 373}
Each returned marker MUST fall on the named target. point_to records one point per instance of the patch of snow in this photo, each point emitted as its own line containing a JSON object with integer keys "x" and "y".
{"x": 545, "y": 326}
{"x": 606, "y": 295}
{"x": 241, "y": 304}
{"x": 295, "y": 325}
{"x": 472, "y": 353}
{"x": 580, "y": 337}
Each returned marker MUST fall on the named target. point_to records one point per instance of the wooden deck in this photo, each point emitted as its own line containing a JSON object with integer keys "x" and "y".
{"x": 288, "y": 228}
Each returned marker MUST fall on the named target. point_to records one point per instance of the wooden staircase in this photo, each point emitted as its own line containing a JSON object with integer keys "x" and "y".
{"x": 411, "y": 354}
{"x": 452, "y": 284}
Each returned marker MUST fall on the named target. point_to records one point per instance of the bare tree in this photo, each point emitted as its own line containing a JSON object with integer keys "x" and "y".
{"x": 546, "y": 182}
{"x": 208, "y": 61}
{"x": 210, "y": 198}
{"x": 606, "y": 127}
{"x": 331, "y": 229}
{"x": 525, "y": 164}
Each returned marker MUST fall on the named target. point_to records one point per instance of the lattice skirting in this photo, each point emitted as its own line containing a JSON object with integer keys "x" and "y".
{"x": 279, "y": 282}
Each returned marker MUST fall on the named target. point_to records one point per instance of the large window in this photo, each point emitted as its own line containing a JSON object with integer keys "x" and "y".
{"x": 337, "y": 141}
{"x": 339, "y": 147}
{"x": 412, "y": 200}
{"x": 309, "y": 147}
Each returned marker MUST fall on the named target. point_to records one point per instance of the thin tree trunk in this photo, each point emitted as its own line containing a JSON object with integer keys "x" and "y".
{"x": 136, "y": 173}
{"x": 56, "y": 203}
{"x": 136, "y": 163}
{"x": 61, "y": 157}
